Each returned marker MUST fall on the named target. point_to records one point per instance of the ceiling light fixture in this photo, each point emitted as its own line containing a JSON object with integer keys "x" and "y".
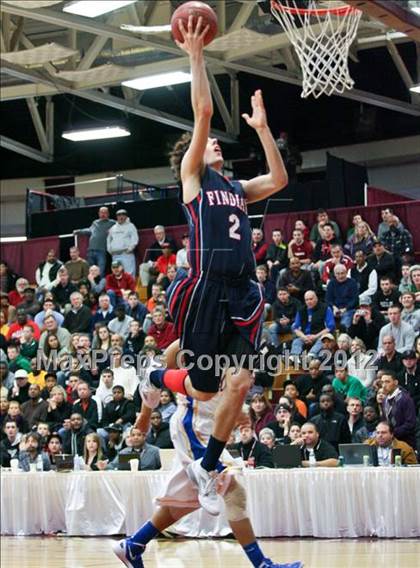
{"x": 94, "y": 8}
{"x": 96, "y": 133}
{"x": 415, "y": 88}
{"x": 414, "y": 6}
{"x": 161, "y": 80}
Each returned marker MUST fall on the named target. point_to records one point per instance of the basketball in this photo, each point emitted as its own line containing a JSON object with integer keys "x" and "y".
{"x": 195, "y": 9}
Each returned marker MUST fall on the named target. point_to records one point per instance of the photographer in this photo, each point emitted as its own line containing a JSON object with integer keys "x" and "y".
{"x": 366, "y": 323}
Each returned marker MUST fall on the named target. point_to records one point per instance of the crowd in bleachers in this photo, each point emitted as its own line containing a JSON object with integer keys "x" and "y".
{"x": 344, "y": 299}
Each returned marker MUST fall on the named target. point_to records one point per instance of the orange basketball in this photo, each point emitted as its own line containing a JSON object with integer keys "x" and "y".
{"x": 195, "y": 9}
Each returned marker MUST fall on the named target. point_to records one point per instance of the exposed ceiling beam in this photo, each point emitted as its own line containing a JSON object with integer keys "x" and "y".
{"x": 399, "y": 64}
{"x": 92, "y": 53}
{"x": 49, "y": 120}
{"x": 24, "y": 150}
{"x": 221, "y": 16}
{"x": 14, "y": 42}
{"x": 242, "y": 16}
{"x": 39, "y": 127}
{"x": 220, "y": 102}
{"x": 6, "y": 29}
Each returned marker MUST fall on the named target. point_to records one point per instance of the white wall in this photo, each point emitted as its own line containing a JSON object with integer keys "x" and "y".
{"x": 402, "y": 178}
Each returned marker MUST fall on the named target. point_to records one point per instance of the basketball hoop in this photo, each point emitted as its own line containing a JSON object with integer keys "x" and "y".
{"x": 322, "y": 35}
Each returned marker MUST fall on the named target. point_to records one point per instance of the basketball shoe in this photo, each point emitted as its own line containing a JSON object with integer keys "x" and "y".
{"x": 270, "y": 564}
{"x": 149, "y": 393}
{"x": 124, "y": 551}
{"x": 206, "y": 483}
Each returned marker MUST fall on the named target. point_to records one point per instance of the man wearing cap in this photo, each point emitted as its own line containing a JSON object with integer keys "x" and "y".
{"x": 410, "y": 378}
{"x": 401, "y": 331}
{"x": 118, "y": 281}
{"x": 115, "y": 441}
{"x": 20, "y": 390}
{"x": 122, "y": 240}
{"x": 367, "y": 322}
{"x": 98, "y": 231}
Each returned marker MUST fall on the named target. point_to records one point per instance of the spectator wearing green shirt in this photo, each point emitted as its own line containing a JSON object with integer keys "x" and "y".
{"x": 348, "y": 386}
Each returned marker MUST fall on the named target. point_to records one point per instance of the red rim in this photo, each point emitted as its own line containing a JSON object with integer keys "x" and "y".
{"x": 321, "y": 12}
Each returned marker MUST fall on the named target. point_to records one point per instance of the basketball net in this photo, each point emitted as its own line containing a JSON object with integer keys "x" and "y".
{"x": 322, "y": 35}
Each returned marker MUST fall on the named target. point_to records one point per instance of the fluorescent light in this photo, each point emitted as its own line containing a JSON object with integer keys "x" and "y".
{"x": 161, "y": 80}
{"x": 414, "y": 6}
{"x": 415, "y": 88}
{"x": 93, "y": 8}
{"x": 95, "y": 133}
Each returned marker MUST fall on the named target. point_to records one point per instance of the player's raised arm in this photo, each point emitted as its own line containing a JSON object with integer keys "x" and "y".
{"x": 192, "y": 163}
{"x": 261, "y": 187}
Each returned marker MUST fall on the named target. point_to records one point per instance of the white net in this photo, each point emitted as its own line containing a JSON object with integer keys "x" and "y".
{"x": 321, "y": 34}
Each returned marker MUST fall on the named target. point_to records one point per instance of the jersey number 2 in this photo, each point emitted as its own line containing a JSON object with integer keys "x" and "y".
{"x": 234, "y": 219}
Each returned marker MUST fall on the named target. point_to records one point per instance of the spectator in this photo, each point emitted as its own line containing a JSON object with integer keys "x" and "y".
{"x": 20, "y": 390}
{"x": 356, "y": 219}
{"x": 384, "y": 226}
{"x": 6, "y": 376}
{"x": 331, "y": 425}
{"x": 35, "y": 409}
{"x": 121, "y": 241}
{"x": 405, "y": 282}
{"x": 86, "y": 405}
{"x": 337, "y": 257}
{"x": 92, "y": 453}
{"x": 54, "y": 448}
{"x": 339, "y": 404}
{"x": 125, "y": 376}
{"x": 167, "y": 404}
{"x": 75, "y": 432}
{"x": 253, "y": 452}
{"x": 284, "y": 310}
{"x": 4, "y": 328}
{"x": 361, "y": 365}
{"x": 370, "y": 418}
{"x": 105, "y": 312}
{"x": 115, "y": 441}
{"x": 259, "y": 247}
{"x": 295, "y": 280}
{"x": 399, "y": 409}
{"x": 410, "y": 378}
{"x": 391, "y": 360}
{"x": 63, "y": 289}
{"x": 30, "y": 303}
{"x": 342, "y": 295}
{"x": 382, "y": 261}
{"x": 276, "y": 256}
{"x": 401, "y": 331}
{"x": 386, "y": 443}
{"x": 355, "y": 416}
{"x": 118, "y": 282}
{"x": 77, "y": 267}
{"x": 52, "y": 328}
{"x": 16, "y": 296}
{"x": 16, "y": 329}
{"x": 7, "y": 278}
{"x": 415, "y": 278}
{"x": 410, "y": 314}
{"x": 148, "y": 455}
{"x": 135, "y": 308}
{"x": 269, "y": 290}
{"x": 152, "y": 302}
{"x": 325, "y": 454}
{"x": 367, "y": 322}
{"x": 162, "y": 330}
{"x": 119, "y": 410}
{"x": 16, "y": 361}
{"x": 29, "y": 450}
{"x": 97, "y": 246}
{"x": 46, "y": 274}
{"x": 9, "y": 446}
{"x": 101, "y": 338}
{"x": 396, "y": 240}
{"x": 318, "y": 230}
{"x": 300, "y": 225}
{"x": 322, "y": 250}
{"x": 267, "y": 438}
{"x": 291, "y": 391}
{"x": 386, "y": 296}
{"x": 44, "y": 432}
{"x": 283, "y": 422}
{"x": 182, "y": 255}
{"x": 121, "y": 322}
{"x": 6, "y": 309}
{"x": 348, "y": 386}
{"x": 300, "y": 248}
{"x": 365, "y": 276}
{"x": 260, "y": 412}
{"x": 78, "y": 318}
{"x": 48, "y": 306}
{"x": 104, "y": 393}
{"x": 147, "y": 268}
{"x": 164, "y": 261}
{"x": 59, "y": 409}
{"x": 15, "y": 414}
{"x": 95, "y": 279}
{"x": 50, "y": 383}
{"x": 28, "y": 343}
{"x": 311, "y": 384}
{"x": 135, "y": 339}
{"x": 312, "y": 321}
{"x": 159, "y": 434}
{"x": 362, "y": 239}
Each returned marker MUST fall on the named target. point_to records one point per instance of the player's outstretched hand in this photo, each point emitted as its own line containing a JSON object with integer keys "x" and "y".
{"x": 259, "y": 117}
{"x": 193, "y": 36}
{"x": 143, "y": 419}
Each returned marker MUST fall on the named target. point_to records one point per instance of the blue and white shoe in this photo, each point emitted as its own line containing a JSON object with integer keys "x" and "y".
{"x": 131, "y": 558}
{"x": 270, "y": 564}
{"x": 148, "y": 392}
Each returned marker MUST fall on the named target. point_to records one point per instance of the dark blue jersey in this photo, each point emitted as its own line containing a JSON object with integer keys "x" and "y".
{"x": 219, "y": 228}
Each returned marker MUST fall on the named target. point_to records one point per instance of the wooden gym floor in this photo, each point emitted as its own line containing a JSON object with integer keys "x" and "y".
{"x": 63, "y": 552}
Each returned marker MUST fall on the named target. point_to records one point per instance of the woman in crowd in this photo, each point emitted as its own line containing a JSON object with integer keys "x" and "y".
{"x": 59, "y": 409}
{"x": 295, "y": 435}
{"x": 362, "y": 239}
{"x": 101, "y": 338}
{"x": 268, "y": 438}
{"x": 355, "y": 221}
{"x": 344, "y": 344}
{"x": 92, "y": 453}
{"x": 360, "y": 364}
{"x": 380, "y": 397}
{"x": 84, "y": 289}
{"x": 167, "y": 404}
{"x": 299, "y": 224}
{"x": 260, "y": 413}
{"x": 52, "y": 343}
{"x": 54, "y": 447}
{"x": 74, "y": 343}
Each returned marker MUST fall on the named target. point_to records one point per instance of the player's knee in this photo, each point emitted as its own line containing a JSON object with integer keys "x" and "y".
{"x": 239, "y": 383}
{"x": 235, "y": 502}
{"x": 179, "y": 512}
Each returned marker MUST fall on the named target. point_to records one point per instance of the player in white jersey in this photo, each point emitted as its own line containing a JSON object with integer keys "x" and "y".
{"x": 191, "y": 426}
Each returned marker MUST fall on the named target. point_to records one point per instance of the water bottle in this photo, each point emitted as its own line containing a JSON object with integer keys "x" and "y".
{"x": 39, "y": 463}
{"x": 340, "y": 461}
{"x": 312, "y": 458}
{"x": 76, "y": 463}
